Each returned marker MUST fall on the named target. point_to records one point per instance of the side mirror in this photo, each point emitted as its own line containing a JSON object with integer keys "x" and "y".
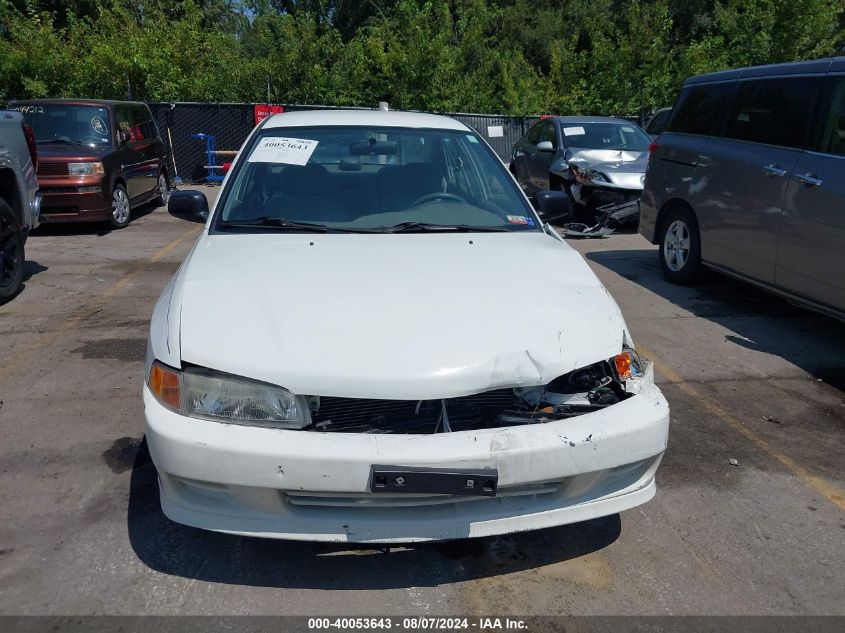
{"x": 553, "y": 205}
{"x": 545, "y": 146}
{"x": 189, "y": 205}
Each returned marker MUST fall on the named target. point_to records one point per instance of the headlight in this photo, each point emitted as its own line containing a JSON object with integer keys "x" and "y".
{"x": 202, "y": 393}
{"x": 627, "y": 365}
{"x": 85, "y": 169}
{"x": 586, "y": 175}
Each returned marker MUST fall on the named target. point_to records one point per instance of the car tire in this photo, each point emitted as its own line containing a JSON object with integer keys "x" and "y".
{"x": 12, "y": 255}
{"x": 120, "y": 207}
{"x": 163, "y": 189}
{"x": 680, "y": 247}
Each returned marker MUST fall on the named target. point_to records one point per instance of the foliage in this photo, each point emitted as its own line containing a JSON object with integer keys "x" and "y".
{"x": 508, "y": 56}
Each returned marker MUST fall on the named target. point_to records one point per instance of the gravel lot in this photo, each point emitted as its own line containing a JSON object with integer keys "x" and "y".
{"x": 749, "y": 378}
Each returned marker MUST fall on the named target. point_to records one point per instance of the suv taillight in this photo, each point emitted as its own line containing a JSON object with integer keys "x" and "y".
{"x": 30, "y": 142}
{"x": 652, "y": 148}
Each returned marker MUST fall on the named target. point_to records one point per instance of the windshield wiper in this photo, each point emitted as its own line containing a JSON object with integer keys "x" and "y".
{"x": 59, "y": 140}
{"x": 275, "y": 223}
{"x": 422, "y": 227}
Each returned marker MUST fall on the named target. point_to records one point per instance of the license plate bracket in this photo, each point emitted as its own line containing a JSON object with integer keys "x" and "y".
{"x": 476, "y": 482}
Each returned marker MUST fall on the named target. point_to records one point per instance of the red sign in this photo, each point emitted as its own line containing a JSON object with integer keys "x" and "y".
{"x": 263, "y": 110}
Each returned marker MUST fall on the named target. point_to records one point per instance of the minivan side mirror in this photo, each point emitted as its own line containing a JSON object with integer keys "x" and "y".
{"x": 553, "y": 205}
{"x": 189, "y": 205}
{"x": 545, "y": 146}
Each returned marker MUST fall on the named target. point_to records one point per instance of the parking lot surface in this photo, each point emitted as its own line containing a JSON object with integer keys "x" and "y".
{"x": 749, "y": 516}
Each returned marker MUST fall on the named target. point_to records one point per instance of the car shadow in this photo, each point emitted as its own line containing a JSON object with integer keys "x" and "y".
{"x": 178, "y": 550}
{"x": 760, "y": 321}
{"x": 30, "y": 269}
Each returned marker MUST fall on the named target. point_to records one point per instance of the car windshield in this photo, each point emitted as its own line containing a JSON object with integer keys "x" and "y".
{"x": 613, "y": 136}
{"x": 63, "y": 124}
{"x": 371, "y": 179}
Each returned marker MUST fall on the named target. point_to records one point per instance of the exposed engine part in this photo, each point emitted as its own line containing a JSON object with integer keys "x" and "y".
{"x": 581, "y": 391}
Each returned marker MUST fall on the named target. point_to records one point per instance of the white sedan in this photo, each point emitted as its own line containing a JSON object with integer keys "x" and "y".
{"x": 375, "y": 339}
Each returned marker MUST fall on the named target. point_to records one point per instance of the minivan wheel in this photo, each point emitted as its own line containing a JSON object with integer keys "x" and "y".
{"x": 163, "y": 190}
{"x": 680, "y": 247}
{"x": 11, "y": 252}
{"x": 119, "y": 207}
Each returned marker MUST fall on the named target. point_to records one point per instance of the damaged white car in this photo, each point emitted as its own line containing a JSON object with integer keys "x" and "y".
{"x": 375, "y": 339}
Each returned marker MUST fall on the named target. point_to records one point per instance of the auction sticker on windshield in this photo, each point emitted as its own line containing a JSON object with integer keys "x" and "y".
{"x": 573, "y": 131}
{"x": 288, "y": 151}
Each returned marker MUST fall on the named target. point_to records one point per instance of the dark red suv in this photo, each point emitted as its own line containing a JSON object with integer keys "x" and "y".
{"x": 97, "y": 160}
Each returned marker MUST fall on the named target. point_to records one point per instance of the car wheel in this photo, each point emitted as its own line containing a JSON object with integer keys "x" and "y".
{"x": 680, "y": 247}
{"x": 163, "y": 189}
{"x": 11, "y": 252}
{"x": 120, "y": 211}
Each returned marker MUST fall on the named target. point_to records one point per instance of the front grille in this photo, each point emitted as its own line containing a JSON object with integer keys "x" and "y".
{"x": 370, "y": 500}
{"x": 49, "y": 190}
{"x": 52, "y": 169}
{"x": 362, "y": 415}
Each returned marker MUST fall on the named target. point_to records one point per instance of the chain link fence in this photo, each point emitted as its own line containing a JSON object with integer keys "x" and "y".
{"x": 231, "y": 123}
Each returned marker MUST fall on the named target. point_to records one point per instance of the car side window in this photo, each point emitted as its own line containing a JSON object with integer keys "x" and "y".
{"x": 774, "y": 111}
{"x": 533, "y": 135}
{"x": 831, "y": 130}
{"x": 658, "y": 122}
{"x": 700, "y": 109}
{"x": 124, "y": 122}
{"x": 146, "y": 122}
{"x": 547, "y": 133}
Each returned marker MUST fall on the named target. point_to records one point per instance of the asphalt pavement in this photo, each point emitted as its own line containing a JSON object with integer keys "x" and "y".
{"x": 749, "y": 378}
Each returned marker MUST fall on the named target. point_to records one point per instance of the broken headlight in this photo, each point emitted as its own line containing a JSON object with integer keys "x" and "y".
{"x": 587, "y": 175}
{"x": 210, "y": 395}
{"x": 581, "y": 391}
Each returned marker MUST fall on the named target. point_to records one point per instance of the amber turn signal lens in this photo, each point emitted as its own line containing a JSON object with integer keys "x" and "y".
{"x": 622, "y": 362}
{"x": 165, "y": 384}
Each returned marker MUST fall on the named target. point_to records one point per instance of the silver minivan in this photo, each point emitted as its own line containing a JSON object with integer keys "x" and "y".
{"x": 749, "y": 179}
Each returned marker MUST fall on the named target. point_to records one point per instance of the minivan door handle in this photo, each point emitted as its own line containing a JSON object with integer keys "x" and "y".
{"x": 808, "y": 179}
{"x": 774, "y": 170}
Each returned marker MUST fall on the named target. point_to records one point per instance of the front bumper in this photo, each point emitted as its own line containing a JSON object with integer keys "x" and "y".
{"x": 306, "y": 485}
{"x": 594, "y": 196}
{"x": 74, "y": 199}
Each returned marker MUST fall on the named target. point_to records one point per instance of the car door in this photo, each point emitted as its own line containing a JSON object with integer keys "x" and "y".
{"x": 742, "y": 174}
{"x": 524, "y": 151}
{"x": 131, "y": 163}
{"x": 812, "y": 237}
{"x": 146, "y": 149}
{"x": 542, "y": 159}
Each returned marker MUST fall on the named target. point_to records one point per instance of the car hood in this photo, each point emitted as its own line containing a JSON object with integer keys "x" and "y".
{"x": 412, "y": 316}
{"x": 624, "y": 168}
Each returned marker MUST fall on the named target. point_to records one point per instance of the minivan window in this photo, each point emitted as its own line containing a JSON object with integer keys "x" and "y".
{"x": 774, "y": 111}
{"x": 831, "y": 133}
{"x": 700, "y": 108}
{"x": 67, "y": 124}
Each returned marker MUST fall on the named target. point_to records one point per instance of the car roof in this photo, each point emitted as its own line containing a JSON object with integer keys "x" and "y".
{"x": 814, "y": 66}
{"x": 104, "y": 103}
{"x": 374, "y": 118}
{"x": 591, "y": 119}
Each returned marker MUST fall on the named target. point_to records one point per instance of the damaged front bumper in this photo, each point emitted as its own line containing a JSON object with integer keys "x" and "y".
{"x": 311, "y": 485}
{"x": 596, "y": 195}
{"x": 607, "y": 219}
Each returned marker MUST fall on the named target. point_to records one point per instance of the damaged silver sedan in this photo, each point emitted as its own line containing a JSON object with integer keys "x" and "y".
{"x": 358, "y": 348}
{"x": 600, "y": 162}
